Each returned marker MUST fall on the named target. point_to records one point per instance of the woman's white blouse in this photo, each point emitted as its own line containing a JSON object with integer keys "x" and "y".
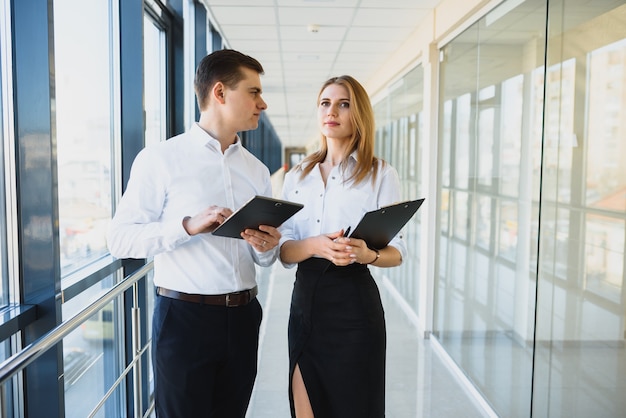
{"x": 339, "y": 204}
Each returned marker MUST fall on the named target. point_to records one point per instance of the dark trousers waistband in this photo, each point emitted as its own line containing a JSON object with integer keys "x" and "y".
{"x": 227, "y": 299}
{"x": 323, "y": 265}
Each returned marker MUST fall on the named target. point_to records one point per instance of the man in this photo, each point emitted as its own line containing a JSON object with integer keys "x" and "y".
{"x": 206, "y": 317}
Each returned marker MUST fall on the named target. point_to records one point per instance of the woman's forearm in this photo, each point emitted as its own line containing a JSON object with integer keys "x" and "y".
{"x": 295, "y": 251}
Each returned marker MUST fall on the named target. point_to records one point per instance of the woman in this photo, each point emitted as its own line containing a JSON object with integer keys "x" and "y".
{"x": 337, "y": 335}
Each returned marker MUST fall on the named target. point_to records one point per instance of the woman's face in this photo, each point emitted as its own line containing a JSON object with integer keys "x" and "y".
{"x": 333, "y": 112}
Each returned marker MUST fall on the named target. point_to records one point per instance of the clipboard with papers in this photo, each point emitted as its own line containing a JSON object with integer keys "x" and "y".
{"x": 259, "y": 210}
{"x": 378, "y": 227}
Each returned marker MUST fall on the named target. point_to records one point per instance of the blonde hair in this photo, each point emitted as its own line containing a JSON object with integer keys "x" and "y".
{"x": 362, "y": 139}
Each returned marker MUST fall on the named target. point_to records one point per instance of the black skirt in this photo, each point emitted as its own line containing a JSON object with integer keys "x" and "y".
{"x": 337, "y": 337}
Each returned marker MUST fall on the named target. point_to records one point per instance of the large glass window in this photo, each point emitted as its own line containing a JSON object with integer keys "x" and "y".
{"x": 484, "y": 293}
{"x": 155, "y": 82}
{"x": 4, "y": 68}
{"x": 581, "y": 317}
{"x": 530, "y": 299}
{"x": 155, "y": 107}
{"x": 399, "y": 140}
{"x": 83, "y": 50}
{"x": 85, "y": 115}
{"x": 5, "y": 200}
{"x": 92, "y": 359}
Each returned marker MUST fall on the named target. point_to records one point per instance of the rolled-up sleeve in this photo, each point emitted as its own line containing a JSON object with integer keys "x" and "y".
{"x": 389, "y": 193}
{"x": 287, "y": 229}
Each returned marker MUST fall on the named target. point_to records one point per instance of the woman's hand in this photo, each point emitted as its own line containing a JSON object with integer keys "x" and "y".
{"x": 334, "y": 247}
{"x": 357, "y": 250}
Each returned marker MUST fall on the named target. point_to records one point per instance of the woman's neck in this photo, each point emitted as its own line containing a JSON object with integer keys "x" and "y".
{"x": 332, "y": 161}
{"x": 334, "y": 154}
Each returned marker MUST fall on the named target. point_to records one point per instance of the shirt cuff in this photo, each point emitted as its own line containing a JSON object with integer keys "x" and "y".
{"x": 267, "y": 258}
{"x": 175, "y": 233}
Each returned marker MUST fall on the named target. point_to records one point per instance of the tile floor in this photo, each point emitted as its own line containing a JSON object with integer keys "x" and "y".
{"x": 419, "y": 383}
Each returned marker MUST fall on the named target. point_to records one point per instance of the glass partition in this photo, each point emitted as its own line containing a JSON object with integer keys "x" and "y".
{"x": 529, "y": 297}
{"x": 399, "y": 140}
{"x": 580, "y": 358}
{"x": 491, "y": 102}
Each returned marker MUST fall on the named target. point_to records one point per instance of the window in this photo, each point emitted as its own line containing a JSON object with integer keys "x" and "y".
{"x": 532, "y": 236}
{"x": 84, "y": 128}
{"x": 155, "y": 82}
{"x": 4, "y": 139}
{"x": 400, "y": 137}
{"x": 85, "y": 88}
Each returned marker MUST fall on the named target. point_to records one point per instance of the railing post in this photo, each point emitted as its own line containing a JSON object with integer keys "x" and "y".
{"x": 136, "y": 351}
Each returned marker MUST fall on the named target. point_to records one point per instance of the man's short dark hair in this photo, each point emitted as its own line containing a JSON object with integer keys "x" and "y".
{"x": 225, "y": 66}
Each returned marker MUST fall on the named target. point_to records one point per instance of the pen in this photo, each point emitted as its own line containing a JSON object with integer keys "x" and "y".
{"x": 345, "y": 234}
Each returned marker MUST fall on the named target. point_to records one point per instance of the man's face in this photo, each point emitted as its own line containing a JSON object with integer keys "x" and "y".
{"x": 244, "y": 103}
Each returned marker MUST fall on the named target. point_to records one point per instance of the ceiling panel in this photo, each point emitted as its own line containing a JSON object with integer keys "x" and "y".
{"x": 401, "y": 4}
{"x": 304, "y": 16}
{"x": 258, "y": 32}
{"x": 353, "y": 37}
{"x": 330, "y": 5}
{"x": 389, "y": 17}
{"x": 369, "y": 33}
{"x": 249, "y": 15}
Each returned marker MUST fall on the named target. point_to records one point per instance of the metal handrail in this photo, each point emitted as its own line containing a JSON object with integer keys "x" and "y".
{"x": 31, "y": 352}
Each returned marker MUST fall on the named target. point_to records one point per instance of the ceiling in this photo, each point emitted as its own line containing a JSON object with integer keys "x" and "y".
{"x": 302, "y": 43}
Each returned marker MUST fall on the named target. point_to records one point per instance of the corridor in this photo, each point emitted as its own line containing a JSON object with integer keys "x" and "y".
{"x": 419, "y": 384}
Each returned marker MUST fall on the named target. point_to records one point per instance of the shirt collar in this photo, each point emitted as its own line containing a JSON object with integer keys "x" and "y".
{"x": 204, "y": 139}
{"x": 352, "y": 157}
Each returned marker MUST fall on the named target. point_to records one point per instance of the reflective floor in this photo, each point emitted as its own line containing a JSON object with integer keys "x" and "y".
{"x": 419, "y": 384}
{"x": 573, "y": 379}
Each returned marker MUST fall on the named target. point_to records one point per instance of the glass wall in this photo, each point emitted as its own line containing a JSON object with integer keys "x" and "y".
{"x": 93, "y": 359}
{"x": 5, "y": 150}
{"x": 84, "y": 64}
{"x": 529, "y": 298}
{"x": 155, "y": 106}
{"x": 155, "y": 81}
{"x": 399, "y": 140}
{"x": 4, "y": 97}
{"x": 580, "y": 359}
{"x": 83, "y": 49}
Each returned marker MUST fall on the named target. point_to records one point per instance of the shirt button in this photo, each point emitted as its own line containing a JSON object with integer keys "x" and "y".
{"x": 318, "y": 221}
{"x": 333, "y": 177}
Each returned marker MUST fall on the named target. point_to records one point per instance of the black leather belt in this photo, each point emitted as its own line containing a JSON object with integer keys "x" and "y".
{"x": 227, "y": 299}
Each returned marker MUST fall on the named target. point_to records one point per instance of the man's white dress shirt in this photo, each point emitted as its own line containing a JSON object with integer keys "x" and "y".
{"x": 339, "y": 204}
{"x": 181, "y": 177}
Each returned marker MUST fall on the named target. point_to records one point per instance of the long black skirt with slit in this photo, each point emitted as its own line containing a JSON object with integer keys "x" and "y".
{"x": 337, "y": 337}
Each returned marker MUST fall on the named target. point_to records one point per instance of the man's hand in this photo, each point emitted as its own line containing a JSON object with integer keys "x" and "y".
{"x": 207, "y": 220}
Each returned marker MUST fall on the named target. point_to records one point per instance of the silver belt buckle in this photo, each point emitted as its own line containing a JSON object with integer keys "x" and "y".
{"x": 228, "y": 299}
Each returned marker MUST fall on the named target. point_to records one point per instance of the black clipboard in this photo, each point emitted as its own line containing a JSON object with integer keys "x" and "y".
{"x": 259, "y": 210}
{"x": 378, "y": 227}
